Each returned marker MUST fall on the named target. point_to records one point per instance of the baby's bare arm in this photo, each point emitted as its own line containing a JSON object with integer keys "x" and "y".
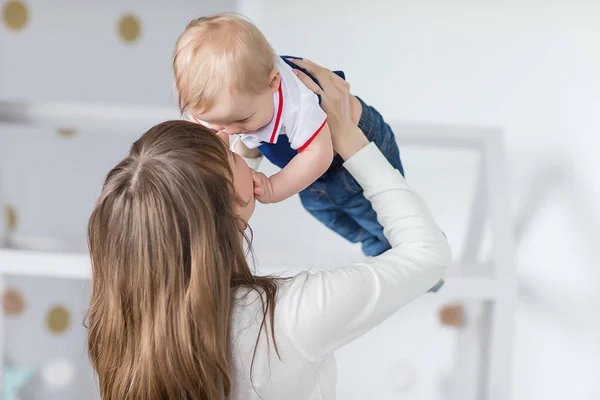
{"x": 304, "y": 168}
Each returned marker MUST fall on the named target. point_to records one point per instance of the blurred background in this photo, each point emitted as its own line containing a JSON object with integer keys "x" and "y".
{"x": 80, "y": 80}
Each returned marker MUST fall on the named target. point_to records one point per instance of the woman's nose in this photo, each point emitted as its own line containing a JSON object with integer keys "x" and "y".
{"x": 224, "y": 137}
{"x": 233, "y": 130}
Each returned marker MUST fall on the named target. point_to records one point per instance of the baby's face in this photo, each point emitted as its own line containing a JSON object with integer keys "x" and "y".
{"x": 240, "y": 113}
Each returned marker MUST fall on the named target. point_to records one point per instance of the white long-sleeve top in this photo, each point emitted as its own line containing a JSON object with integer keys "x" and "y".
{"x": 317, "y": 313}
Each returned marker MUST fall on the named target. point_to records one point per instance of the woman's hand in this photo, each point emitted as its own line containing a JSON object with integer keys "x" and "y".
{"x": 346, "y": 137}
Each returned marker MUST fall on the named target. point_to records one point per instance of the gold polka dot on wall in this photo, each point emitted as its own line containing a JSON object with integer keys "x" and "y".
{"x": 58, "y": 319}
{"x": 12, "y": 218}
{"x": 66, "y": 132}
{"x": 15, "y": 15}
{"x": 13, "y": 302}
{"x": 130, "y": 28}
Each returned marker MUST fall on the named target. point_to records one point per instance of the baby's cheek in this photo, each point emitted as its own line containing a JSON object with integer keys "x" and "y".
{"x": 266, "y": 118}
{"x": 268, "y": 111}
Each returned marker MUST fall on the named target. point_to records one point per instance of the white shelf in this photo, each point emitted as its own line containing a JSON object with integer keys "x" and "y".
{"x": 137, "y": 116}
{"x": 115, "y": 116}
{"x": 77, "y": 266}
{"x": 44, "y": 264}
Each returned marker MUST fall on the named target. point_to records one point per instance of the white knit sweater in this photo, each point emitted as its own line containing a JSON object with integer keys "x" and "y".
{"x": 317, "y": 313}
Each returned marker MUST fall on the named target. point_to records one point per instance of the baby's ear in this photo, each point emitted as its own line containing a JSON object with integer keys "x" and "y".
{"x": 274, "y": 80}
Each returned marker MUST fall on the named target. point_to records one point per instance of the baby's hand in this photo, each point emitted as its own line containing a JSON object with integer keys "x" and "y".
{"x": 263, "y": 190}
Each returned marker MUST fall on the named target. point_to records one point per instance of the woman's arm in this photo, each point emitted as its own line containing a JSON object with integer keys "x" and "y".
{"x": 320, "y": 312}
{"x": 323, "y": 311}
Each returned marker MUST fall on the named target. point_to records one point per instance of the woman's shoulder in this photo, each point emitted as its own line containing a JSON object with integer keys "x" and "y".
{"x": 289, "y": 291}
{"x": 248, "y": 294}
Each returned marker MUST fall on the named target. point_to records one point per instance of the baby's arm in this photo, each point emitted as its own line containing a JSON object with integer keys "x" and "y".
{"x": 240, "y": 148}
{"x": 252, "y": 157}
{"x": 308, "y": 165}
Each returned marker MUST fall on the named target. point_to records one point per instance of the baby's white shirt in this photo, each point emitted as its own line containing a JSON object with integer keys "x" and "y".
{"x": 297, "y": 114}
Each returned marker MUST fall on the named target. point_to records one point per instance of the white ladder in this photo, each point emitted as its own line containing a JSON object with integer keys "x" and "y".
{"x": 485, "y": 345}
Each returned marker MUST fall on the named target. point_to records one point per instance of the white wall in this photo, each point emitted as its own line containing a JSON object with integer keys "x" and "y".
{"x": 530, "y": 66}
{"x": 70, "y": 51}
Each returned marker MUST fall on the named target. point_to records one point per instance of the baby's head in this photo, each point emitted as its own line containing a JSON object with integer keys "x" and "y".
{"x": 225, "y": 73}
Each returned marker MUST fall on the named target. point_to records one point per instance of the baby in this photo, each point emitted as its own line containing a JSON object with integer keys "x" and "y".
{"x": 229, "y": 78}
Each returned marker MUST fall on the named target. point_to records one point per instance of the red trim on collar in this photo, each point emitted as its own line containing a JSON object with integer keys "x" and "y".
{"x": 278, "y": 118}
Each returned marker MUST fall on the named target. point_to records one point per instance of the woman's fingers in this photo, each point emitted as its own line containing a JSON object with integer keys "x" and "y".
{"x": 309, "y": 83}
{"x": 320, "y": 73}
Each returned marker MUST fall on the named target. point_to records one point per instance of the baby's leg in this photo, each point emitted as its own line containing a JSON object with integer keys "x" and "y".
{"x": 336, "y": 199}
{"x": 353, "y": 204}
{"x": 317, "y": 200}
{"x": 350, "y": 200}
{"x": 350, "y": 195}
{"x": 378, "y": 131}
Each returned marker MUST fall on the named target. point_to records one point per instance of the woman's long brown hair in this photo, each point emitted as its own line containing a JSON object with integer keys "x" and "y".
{"x": 167, "y": 251}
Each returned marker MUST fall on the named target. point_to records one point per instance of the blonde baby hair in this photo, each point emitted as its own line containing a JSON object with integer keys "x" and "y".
{"x": 220, "y": 52}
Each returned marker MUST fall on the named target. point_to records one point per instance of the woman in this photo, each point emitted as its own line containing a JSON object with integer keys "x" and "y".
{"x": 176, "y": 312}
